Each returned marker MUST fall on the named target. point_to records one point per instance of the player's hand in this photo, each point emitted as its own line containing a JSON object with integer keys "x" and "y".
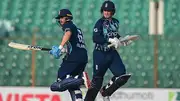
{"x": 56, "y": 52}
{"x": 114, "y": 41}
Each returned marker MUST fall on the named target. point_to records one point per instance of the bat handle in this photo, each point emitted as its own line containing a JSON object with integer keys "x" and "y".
{"x": 46, "y": 49}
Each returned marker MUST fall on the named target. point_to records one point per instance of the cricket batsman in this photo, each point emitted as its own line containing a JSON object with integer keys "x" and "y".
{"x": 69, "y": 75}
{"x": 106, "y": 32}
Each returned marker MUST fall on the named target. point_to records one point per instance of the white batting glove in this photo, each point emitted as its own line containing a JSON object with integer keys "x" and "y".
{"x": 60, "y": 47}
{"x": 114, "y": 41}
{"x": 111, "y": 40}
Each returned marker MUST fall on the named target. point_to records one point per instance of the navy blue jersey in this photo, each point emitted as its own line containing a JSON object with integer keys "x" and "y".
{"x": 76, "y": 46}
{"x": 105, "y": 29}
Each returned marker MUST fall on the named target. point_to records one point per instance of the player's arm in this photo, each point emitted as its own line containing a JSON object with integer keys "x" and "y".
{"x": 98, "y": 36}
{"x": 65, "y": 38}
{"x": 57, "y": 51}
{"x": 67, "y": 35}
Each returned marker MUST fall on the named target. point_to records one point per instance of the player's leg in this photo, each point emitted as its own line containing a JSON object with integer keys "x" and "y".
{"x": 100, "y": 67}
{"x": 72, "y": 94}
{"x": 120, "y": 77}
{"x": 79, "y": 69}
{"x": 82, "y": 74}
{"x": 66, "y": 68}
{"x": 106, "y": 98}
{"x": 63, "y": 73}
{"x": 72, "y": 82}
{"x": 76, "y": 95}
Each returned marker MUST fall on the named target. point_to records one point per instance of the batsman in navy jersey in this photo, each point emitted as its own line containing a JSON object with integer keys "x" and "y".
{"x": 106, "y": 32}
{"x": 75, "y": 59}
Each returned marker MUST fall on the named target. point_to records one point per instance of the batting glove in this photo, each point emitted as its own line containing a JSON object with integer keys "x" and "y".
{"x": 56, "y": 51}
{"x": 114, "y": 41}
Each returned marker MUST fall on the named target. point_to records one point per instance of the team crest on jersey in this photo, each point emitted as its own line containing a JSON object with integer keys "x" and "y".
{"x": 95, "y": 30}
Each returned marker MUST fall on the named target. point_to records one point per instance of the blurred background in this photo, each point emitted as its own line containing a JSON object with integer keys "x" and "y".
{"x": 154, "y": 60}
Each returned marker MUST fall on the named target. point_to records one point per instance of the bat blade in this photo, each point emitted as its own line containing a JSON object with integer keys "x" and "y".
{"x": 131, "y": 37}
{"x": 127, "y": 38}
{"x": 27, "y": 47}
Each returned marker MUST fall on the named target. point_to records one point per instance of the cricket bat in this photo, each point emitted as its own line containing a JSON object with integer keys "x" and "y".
{"x": 127, "y": 38}
{"x": 27, "y": 47}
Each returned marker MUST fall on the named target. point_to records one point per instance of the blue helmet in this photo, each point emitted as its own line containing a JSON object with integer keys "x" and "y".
{"x": 64, "y": 13}
{"x": 108, "y": 6}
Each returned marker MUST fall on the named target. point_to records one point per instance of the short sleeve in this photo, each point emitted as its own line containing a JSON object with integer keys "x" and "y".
{"x": 67, "y": 27}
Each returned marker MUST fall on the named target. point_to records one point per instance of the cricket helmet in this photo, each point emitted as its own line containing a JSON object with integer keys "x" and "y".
{"x": 64, "y": 13}
{"x": 108, "y": 6}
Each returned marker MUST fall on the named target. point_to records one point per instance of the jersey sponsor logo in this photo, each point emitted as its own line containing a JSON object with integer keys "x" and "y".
{"x": 95, "y": 30}
{"x": 112, "y": 34}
